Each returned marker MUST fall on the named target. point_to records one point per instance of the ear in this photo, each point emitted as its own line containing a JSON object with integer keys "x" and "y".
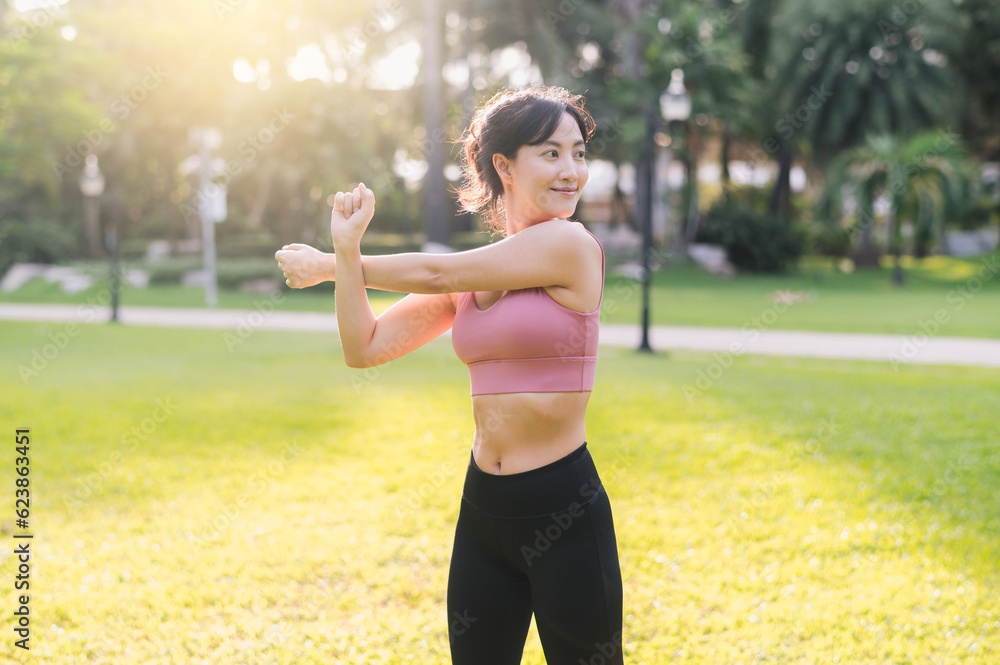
{"x": 502, "y": 165}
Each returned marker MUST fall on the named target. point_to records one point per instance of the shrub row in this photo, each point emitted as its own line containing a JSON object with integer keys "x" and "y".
{"x": 754, "y": 241}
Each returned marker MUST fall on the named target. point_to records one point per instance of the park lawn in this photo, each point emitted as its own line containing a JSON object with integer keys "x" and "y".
{"x": 943, "y": 296}
{"x": 197, "y": 502}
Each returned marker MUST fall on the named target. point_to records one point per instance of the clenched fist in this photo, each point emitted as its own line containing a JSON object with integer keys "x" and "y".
{"x": 306, "y": 266}
{"x": 352, "y": 211}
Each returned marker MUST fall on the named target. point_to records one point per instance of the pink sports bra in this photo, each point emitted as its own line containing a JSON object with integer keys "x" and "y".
{"x": 527, "y": 343}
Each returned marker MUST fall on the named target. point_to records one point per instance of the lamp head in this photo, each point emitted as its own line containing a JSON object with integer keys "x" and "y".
{"x": 675, "y": 102}
{"x": 92, "y": 180}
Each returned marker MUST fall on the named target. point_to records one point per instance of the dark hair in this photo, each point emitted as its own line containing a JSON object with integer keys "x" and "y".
{"x": 510, "y": 119}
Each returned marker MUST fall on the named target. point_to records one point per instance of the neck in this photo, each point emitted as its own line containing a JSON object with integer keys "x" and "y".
{"x": 517, "y": 218}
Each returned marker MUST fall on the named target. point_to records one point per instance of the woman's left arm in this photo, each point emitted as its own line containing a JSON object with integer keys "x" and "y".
{"x": 554, "y": 253}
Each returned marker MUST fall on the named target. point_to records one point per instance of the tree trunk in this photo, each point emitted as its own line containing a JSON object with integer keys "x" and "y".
{"x": 260, "y": 200}
{"x": 691, "y": 165}
{"x": 628, "y": 12}
{"x": 436, "y": 220}
{"x": 463, "y": 222}
{"x": 923, "y": 235}
{"x": 867, "y": 254}
{"x": 724, "y": 162}
{"x": 780, "y": 204}
{"x": 895, "y": 244}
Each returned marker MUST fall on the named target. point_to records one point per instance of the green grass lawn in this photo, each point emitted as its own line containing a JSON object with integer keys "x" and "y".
{"x": 964, "y": 293}
{"x": 269, "y": 505}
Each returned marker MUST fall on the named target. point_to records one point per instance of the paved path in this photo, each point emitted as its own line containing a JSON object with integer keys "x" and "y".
{"x": 901, "y": 349}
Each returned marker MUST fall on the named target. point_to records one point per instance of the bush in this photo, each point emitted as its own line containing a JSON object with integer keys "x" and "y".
{"x": 171, "y": 271}
{"x": 229, "y": 273}
{"x": 38, "y": 241}
{"x": 754, "y": 242}
{"x": 828, "y": 239}
{"x": 232, "y": 273}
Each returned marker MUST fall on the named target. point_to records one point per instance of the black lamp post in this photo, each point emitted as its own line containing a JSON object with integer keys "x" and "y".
{"x": 675, "y": 105}
{"x": 114, "y": 249}
{"x": 92, "y": 187}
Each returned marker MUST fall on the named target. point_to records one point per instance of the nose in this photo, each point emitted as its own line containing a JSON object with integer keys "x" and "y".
{"x": 567, "y": 170}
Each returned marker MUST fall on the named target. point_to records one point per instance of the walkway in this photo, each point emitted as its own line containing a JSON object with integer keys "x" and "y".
{"x": 897, "y": 349}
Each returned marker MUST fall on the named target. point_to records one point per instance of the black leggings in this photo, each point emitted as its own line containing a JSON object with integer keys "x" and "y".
{"x": 541, "y": 541}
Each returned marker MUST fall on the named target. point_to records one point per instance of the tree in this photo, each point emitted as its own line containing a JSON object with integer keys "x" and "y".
{"x": 701, "y": 39}
{"x": 979, "y": 67}
{"x": 864, "y": 67}
{"x": 926, "y": 175}
{"x": 43, "y": 138}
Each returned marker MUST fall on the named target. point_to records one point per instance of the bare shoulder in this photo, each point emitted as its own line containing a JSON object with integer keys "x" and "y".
{"x": 585, "y": 242}
{"x": 565, "y": 234}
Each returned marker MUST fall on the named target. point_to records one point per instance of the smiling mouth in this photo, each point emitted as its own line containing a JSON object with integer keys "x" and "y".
{"x": 565, "y": 192}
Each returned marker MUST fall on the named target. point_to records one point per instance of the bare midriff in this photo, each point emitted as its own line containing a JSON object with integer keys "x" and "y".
{"x": 518, "y": 432}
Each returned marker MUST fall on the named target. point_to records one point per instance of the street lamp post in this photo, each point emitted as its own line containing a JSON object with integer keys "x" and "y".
{"x": 675, "y": 105}
{"x": 644, "y": 202}
{"x": 207, "y": 139}
{"x": 114, "y": 249}
{"x": 92, "y": 186}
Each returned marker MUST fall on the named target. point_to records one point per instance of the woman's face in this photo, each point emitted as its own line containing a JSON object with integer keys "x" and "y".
{"x": 544, "y": 181}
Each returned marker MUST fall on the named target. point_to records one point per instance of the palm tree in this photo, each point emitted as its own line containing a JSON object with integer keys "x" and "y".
{"x": 862, "y": 67}
{"x": 925, "y": 175}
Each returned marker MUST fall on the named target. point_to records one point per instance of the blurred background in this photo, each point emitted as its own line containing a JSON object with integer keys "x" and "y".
{"x": 235, "y": 494}
{"x": 775, "y": 129}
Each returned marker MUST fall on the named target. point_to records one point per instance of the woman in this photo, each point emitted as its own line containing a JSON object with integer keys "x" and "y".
{"x": 535, "y": 531}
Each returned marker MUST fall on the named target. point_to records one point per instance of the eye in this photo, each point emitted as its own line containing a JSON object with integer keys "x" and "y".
{"x": 551, "y": 153}
{"x": 581, "y": 154}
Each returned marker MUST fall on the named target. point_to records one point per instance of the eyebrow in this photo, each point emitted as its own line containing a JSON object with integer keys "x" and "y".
{"x": 559, "y": 145}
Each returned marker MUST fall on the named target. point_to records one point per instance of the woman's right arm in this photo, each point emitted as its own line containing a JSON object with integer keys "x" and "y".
{"x": 407, "y": 325}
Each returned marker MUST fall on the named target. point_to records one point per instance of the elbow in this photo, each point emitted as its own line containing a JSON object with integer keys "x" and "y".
{"x": 437, "y": 281}
{"x": 356, "y": 360}
{"x": 434, "y": 279}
